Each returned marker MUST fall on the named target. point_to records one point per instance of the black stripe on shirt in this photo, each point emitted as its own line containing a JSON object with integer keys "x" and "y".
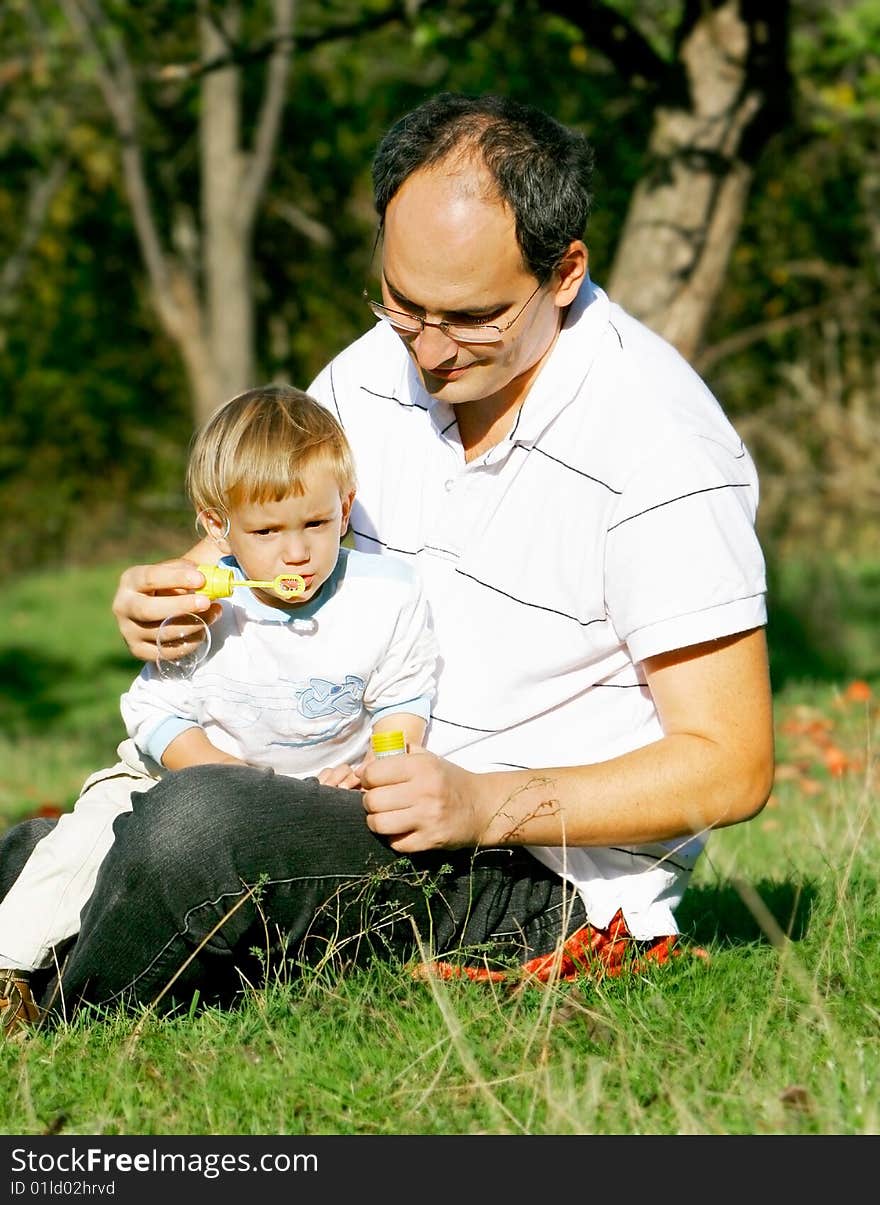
{"x": 335, "y": 401}
{"x": 584, "y": 623}
{"x": 512, "y": 434}
{"x": 392, "y": 397}
{"x": 619, "y": 685}
{"x": 656, "y": 858}
{"x": 724, "y": 448}
{"x": 470, "y": 727}
{"x": 362, "y": 535}
{"x": 580, "y": 472}
{"x": 730, "y": 485}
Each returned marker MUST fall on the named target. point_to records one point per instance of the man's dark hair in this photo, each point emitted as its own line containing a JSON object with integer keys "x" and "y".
{"x": 541, "y": 168}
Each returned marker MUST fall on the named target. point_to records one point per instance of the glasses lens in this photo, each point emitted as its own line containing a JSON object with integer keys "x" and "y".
{"x": 473, "y": 334}
{"x": 399, "y": 320}
{"x": 410, "y": 325}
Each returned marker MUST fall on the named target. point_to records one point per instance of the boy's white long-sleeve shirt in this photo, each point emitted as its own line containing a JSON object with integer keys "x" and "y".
{"x": 298, "y": 690}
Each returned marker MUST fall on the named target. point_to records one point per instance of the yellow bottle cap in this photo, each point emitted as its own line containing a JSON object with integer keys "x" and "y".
{"x": 388, "y": 742}
{"x": 218, "y": 581}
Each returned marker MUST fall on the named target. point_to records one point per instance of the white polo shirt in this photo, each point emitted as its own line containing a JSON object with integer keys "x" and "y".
{"x": 615, "y": 521}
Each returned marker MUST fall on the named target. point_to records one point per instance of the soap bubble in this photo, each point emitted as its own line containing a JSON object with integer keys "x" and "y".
{"x": 182, "y": 642}
{"x": 212, "y": 524}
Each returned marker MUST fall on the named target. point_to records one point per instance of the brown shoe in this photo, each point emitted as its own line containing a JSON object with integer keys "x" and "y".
{"x": 18, "y": 1009}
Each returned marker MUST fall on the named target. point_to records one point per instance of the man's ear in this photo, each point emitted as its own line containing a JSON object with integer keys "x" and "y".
{"x": 571, "y": 273}
{"x": 347, "y": 500}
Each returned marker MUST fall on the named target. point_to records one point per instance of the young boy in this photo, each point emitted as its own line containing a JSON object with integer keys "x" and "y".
{"x": 296, "y": 686}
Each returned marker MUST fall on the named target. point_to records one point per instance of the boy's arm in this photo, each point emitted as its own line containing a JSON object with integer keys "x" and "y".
{"x": 192, "y": 748}
{"x": 162, "y": 720}
{"x": 413, "y": 728}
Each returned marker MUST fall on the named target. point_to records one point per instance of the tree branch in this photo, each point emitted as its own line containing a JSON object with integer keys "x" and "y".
{"x": 757, "y": 333}
{"x": 316, "y": 232}
{"x": 114, "y": 76}
{"x": 259, "y": 51}
{"x": 119, "y": 89}
{"x": 39, "y": 199}
{"x": 621, "y": 43}
{"x": 271, "y": 109}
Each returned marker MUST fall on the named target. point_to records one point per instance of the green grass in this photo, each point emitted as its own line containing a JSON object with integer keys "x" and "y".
{"x": 778, "y": 1033}
{"x": 63, "y": 666}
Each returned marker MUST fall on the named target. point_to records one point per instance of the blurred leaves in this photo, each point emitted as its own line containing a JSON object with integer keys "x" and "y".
{"x": 95, "y": 417}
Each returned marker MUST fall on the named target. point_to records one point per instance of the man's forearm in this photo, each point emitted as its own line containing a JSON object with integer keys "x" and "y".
{"x": 681, "y": 785}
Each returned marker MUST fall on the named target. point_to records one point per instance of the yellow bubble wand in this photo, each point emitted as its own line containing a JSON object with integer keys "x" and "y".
{"x": 220, "y": 582}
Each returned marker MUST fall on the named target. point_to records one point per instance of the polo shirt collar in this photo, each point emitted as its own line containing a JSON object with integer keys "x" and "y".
{"x": 555, "y": 387}
{"x": 566, "y": 368}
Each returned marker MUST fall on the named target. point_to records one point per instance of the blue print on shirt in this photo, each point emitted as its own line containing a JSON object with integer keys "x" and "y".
{"x": 321, "y": 698}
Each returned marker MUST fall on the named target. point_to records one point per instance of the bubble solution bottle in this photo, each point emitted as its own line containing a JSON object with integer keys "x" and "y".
{"x": 388, "y": 744}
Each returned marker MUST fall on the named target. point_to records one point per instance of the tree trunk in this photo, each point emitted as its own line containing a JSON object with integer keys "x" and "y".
{"x": 228, "y": 290}
{"x": 687, "y": 209}
{"x": 204, "y": 296}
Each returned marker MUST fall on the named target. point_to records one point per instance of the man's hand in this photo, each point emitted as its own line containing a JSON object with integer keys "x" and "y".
{"x": 419, "y": 801}
{"x": 147, "y": 594}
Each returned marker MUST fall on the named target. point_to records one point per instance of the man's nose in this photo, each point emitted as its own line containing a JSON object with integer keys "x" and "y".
{"x": 433, "y": 347}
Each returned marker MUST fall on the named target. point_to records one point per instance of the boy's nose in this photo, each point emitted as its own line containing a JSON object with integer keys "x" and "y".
{"x": 296, "y": 552}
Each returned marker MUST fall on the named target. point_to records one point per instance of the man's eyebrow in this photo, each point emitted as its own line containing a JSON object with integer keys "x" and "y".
{"x": 476, "y": 312}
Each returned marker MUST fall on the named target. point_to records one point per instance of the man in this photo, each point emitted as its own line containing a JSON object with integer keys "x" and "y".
{"x": 583, "y": 515}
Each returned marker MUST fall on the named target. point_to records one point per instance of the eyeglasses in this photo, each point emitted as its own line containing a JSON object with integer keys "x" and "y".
{"x": 460, "y": 332}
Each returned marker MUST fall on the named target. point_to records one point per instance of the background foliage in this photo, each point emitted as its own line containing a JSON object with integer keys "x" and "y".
{"x": 96, "y": 412}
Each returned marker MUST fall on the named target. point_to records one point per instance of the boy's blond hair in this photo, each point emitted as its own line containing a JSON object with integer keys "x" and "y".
{"x": 261, "y": 445}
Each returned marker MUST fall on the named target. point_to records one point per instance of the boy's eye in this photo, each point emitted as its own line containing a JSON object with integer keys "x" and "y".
{"x": 317, "y": 522}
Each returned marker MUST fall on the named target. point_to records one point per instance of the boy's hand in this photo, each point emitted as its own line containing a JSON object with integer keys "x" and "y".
{"x": 340, "y": 776}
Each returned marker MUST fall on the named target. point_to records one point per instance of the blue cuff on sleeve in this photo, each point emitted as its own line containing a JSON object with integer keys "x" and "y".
{"x": 420, "y": 706}
{"x": 163, "y": 734}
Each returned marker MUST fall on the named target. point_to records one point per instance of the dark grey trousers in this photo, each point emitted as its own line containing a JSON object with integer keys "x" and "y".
{"x": 224, "y": 875}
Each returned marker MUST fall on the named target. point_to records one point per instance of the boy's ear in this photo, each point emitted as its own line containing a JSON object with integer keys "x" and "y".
{"x": 347, "y": 501}
{"x": 215, "y": 525}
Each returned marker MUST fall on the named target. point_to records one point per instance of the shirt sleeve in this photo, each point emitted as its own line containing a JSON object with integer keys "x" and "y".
{"x": 155, "y": 711}
{"x": 683, "y": 562}
{"x": 405, "y": 679}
